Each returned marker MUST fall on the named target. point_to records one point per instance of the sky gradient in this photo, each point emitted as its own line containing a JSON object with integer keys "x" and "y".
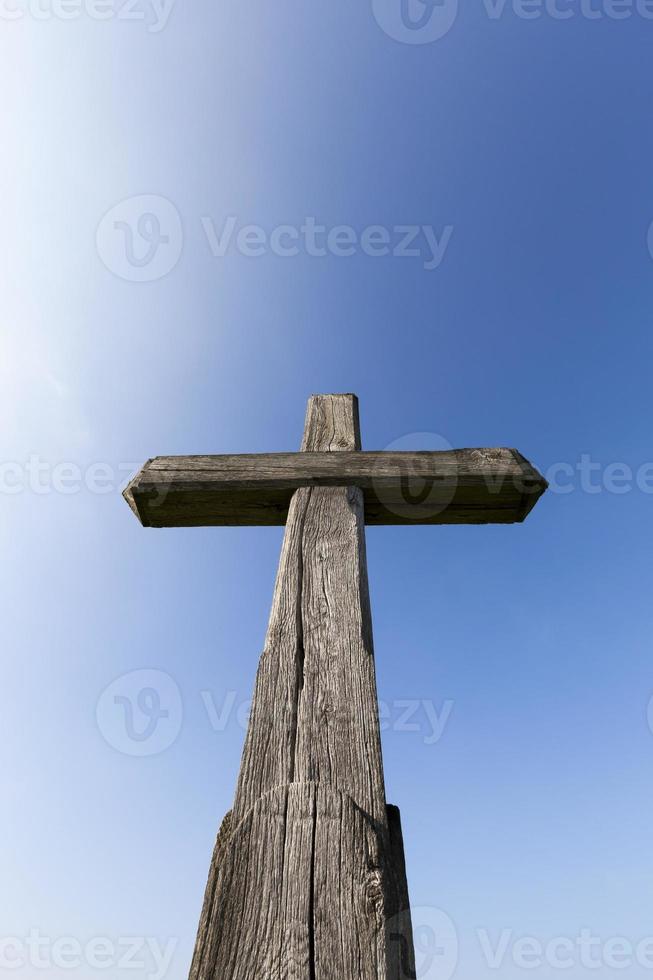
{"x": 526, "y": 811}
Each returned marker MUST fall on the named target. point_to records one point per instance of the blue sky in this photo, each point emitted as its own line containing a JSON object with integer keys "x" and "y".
{"x": 530, "y": 140}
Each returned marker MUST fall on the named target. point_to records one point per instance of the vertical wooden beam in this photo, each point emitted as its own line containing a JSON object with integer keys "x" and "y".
{"x": 399, "y": 929}
{"x": 303, "y": 882}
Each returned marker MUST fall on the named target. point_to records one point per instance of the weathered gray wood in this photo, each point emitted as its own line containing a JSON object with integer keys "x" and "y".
{"x": 454, "y": 487}
{"x": 399, "y": 929}
{"x": 332, "y": 424}
{"x": 314, "y": 715}
{"x": 300, "y": 890}
{"x": 209, "y": 927}
{"x": 305, "y": 883}
{"x": 308, "y": 877}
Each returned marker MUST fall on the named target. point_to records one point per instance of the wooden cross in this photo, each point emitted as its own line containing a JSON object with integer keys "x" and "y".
{"x": 308, "y": 879}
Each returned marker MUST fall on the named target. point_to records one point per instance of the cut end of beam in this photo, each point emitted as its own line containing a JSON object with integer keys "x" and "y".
{"x": 128, "y": 494}
{"x": 332, "y": 424}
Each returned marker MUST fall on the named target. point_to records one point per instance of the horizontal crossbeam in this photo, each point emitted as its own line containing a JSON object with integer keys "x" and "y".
{"x": 463, "y": 486}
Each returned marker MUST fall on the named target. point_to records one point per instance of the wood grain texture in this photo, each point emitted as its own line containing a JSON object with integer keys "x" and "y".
{"x": 332, "y": 424}
{"x": 305, "y": 881}
{"x": 302, "y": 889}
{"x": 454, "y": 487}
